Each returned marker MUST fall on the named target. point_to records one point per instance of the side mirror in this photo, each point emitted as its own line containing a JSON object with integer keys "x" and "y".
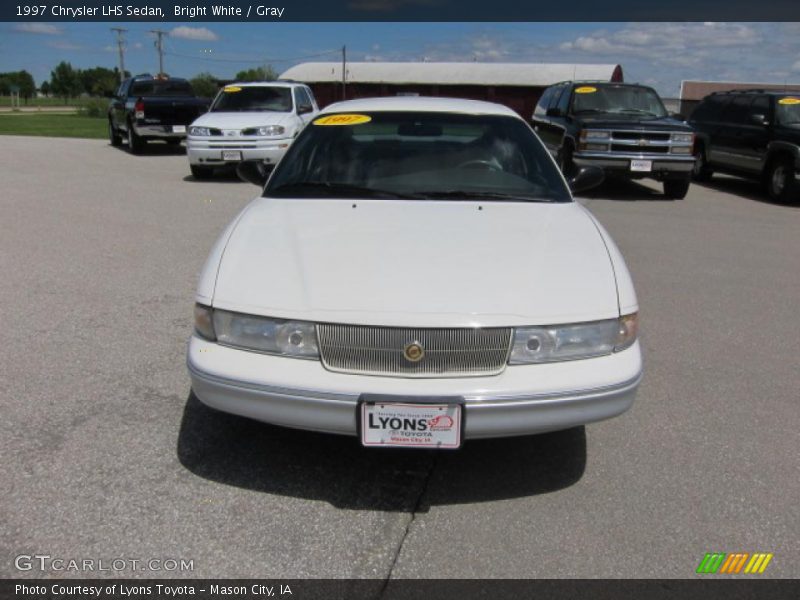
{"x": 759, "y": 119}
{"x": 254, "y": 171}
{"x": 586, "y": 179}
{"x": 304, "y": 108}
{"x": 678, "y": 116}
{"x": 554, "y": 112}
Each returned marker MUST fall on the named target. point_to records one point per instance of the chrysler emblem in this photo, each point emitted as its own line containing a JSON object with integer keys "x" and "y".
{"x": 414, "y": 352}
{"x": 643, "y": 142}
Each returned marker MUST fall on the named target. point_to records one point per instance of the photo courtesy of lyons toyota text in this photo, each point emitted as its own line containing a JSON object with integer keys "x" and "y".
{"x": 399, "y": 299}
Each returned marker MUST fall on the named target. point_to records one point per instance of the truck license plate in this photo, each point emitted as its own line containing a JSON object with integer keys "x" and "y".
{"x": 231, "y": 155}
{"x": 179, "y": 129}
{"x": 411, "y": 425}
{"x": 642, "y": 165}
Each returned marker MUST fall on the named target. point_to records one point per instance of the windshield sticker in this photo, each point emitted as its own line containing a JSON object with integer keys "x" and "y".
{"x": 789, "y": 101}
{"x": 587, "y": 89}
{"x": 343, "y": 120}
{"x": 231, "y": 89}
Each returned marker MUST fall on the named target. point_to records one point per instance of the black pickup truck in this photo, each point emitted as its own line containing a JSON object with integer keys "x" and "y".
{"x": 151, "y": 108}
{"x": 622, "y": 128}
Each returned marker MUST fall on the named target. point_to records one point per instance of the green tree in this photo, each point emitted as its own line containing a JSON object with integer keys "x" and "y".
{"x": 45, "y": 88}
{"x": 19, "y": 81}
{"x": 99, "y": 81}
{"x": 205, "y": 85}
{"x": 65, "y": 81}
{"x": 266, "y": 73}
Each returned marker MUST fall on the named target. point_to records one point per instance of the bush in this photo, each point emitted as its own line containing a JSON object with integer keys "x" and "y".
{"x": 94, "y": 107}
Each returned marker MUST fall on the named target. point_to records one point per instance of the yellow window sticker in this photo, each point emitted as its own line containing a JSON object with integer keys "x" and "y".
{"x": 789, "y": 101}
{"x": 587, "y": 89}
{"x": 343, "y": 120}
{"x": 230, "y": 89}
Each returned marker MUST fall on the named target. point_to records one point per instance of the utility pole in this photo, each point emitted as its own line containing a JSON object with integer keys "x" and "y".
{"x": 160, "y": 47}
{"x": 121, "y": 45}
{"x": 344, "y": 72}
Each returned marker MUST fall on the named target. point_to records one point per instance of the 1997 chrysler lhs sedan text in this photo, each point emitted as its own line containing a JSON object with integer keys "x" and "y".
{"x": 416, "y": 273}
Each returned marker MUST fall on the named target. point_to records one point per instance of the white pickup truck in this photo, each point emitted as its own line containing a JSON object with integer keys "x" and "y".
{"x": 248, "y": 121}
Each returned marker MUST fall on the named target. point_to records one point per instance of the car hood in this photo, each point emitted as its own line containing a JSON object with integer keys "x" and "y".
{"x": 417, "y": 263}
{"x": 634, "y": 122}
{"x": 241, "y": 120}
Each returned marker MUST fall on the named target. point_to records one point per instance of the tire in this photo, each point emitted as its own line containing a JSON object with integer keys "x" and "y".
{"x": 199, "y": 172}
{"x": 565, "y": 161}
{"x": 780, "y": 180}
{"x": 701, "y": 170}
{"x": 677, "y": 189}
{"x": 135, "y": 143}
{"x": 113, "y": 135}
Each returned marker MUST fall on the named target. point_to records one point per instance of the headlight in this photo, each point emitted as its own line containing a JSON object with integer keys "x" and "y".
{"x": 570, "y": 342}
{"x": 203, "y": 131}
{"x": 595, "y": 135}
{"x": 273, "y": 336}
{"x": 203, "y": 324}
{"x": 272, "y": 130}
{"x": 682, "y": 138}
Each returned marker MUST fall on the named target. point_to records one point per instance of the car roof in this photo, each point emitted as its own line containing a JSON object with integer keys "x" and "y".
{"x": 421, "y": 104}
{"x": 770, "y": 92}
{"x": 278, "y": 83}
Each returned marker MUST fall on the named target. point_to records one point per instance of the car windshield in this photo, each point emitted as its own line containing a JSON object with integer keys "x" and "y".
{"x": 788, "y": 110}
{"x": 618, "y": 99}
{"x": 253, "y": 98}
{"x": 157, "y": 87}
{"x": 418, "y": 155}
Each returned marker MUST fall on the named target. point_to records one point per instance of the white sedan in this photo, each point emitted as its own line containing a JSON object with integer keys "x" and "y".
{"x": 416, "y": 273}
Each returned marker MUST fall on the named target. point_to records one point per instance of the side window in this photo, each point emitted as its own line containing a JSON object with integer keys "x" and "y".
{"x": 544, "y": 101}
{"x": 760, "y": 106}
{"x": 123, "y": 89}
{"x": 704, "y": 110}
{"x": 738, "y": 110}
{"x": 563, "y": 101}
{"x": 311, "y": 98}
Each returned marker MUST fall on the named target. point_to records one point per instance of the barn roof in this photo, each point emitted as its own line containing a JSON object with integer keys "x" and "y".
{"x": 451, "y": 73}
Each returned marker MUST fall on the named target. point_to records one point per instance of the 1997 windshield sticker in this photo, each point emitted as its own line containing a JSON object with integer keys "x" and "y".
{"x": 343, "y": 120}
{"x": 587, "y": 89}
{"x": 231, "y": 89}
{"x": 789, "y": 101}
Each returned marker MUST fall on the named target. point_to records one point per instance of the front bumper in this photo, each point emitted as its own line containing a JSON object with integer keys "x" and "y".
{"x": 208, "y": 151}
{"x": 622, "y": 162}
{"x": 521, "y": 400}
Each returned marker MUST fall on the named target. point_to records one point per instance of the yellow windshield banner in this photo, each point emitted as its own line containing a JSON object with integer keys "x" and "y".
{"x": 230, "y": 89}
{"x": 789, "y": 101}
{"x": 587, "y": 89}
{"x": 343, "y": 120}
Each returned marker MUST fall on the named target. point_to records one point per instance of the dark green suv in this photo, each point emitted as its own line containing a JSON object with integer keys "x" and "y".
{"x": 750, "y": 133}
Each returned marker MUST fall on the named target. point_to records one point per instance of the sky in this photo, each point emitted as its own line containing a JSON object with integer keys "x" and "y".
{"x": 658, "y": 54}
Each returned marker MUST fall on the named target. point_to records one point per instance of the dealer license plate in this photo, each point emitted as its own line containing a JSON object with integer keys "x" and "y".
{"x": 179, "y": 129}
{"x": 642, "y": 165}
{"x": 231, "y": 155}
{"x": 411, "y": 425}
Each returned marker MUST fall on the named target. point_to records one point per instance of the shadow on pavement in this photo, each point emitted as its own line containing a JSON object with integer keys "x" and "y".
{"x": 221, "y": 175}
{"x": 153, "y": 149}
{"x": 744, "y": 188}
{"x": 626, "y": 190}
{"x": 244, "y": 453}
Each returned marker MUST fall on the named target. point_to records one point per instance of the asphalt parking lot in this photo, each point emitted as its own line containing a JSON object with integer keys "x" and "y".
{"x": 106, "y": 454}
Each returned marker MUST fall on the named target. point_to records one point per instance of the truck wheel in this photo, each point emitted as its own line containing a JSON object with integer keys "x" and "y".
{"x": 113, "y": 135}
{"x": 135, "y": 143}
{"x": 201, "y": 172}
{"x": 780, "y": 179}
{"x": 701, "y": 170}
{"x": 565, "y": 161}
{"x": 676, "y": 188}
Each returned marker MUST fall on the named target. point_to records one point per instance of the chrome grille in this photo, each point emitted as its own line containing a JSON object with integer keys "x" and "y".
{"x": 380, "y": 350}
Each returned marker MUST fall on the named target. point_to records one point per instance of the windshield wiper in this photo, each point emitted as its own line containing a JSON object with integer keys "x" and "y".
{"x": 589, "y": 110}
{"x": 335, "y": 189}
{"x": 465, "y": 195}
{"x": 637, "y": 111}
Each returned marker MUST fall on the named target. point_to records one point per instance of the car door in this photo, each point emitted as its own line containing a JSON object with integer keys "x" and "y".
{"x": 118, "y": 104}
{"x": 547, "y": 124}
{"x": 304, "y": 108}
{"x": 754, "y": 135}
{"x": 730, "y": 133}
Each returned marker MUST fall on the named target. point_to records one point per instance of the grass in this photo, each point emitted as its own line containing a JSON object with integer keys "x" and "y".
{"x": 75, "y": 126}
